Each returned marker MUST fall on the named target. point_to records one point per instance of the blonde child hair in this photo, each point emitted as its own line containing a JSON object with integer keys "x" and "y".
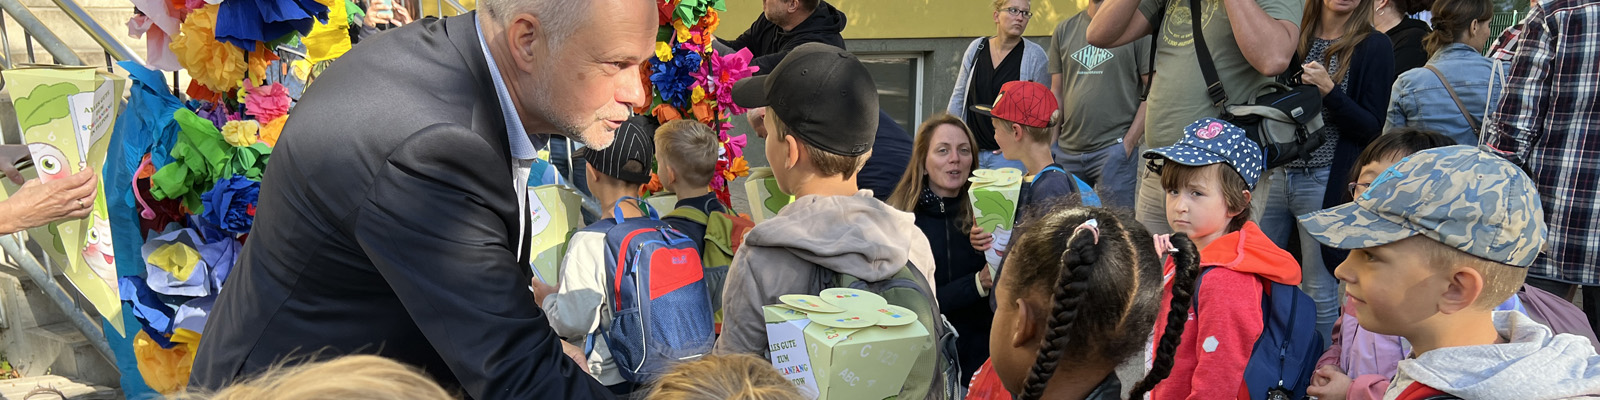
{"x": 690, "y": 148}
{"x": 731, "y": 377}
{"x": 357, "y": 377}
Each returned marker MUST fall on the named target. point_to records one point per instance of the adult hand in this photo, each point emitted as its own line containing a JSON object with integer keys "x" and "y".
{"x": 9, "y": 155}
{"x": 378, "y": 12}
{"x": 576, "y": 354}
{"x": 540, "y": 291}
{"x": 1316, "y": 74}
{"x": 38, "y": 203}
{"x": 758, "y": 120}
{"x": 981, "y": 241}
{"x": 1329, "y": 383}
{"x": 402, "y": 16}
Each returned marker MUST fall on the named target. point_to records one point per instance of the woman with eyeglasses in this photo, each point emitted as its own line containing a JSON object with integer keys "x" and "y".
{"x": 990, "y": 62}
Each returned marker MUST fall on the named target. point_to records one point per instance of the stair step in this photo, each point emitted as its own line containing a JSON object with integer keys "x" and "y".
{"x": 18, "y": 388}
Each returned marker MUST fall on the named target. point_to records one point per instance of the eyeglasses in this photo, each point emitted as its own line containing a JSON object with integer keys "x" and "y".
{"x": 1018, "y": 12}
{"x": 1356, "y": 189}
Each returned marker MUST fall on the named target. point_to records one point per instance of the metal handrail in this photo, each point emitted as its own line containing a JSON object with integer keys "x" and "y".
{"x": 47, "y": 283}
{"x": 114, "y": 48}
{"x": 32, "y": 27}
{"x": 455, "y": 6}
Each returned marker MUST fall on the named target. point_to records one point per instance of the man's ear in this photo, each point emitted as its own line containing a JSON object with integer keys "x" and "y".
{"x": 527, "y": 41}
{"x": 1466, "y": 286}
{"x": 1025, "y": 328}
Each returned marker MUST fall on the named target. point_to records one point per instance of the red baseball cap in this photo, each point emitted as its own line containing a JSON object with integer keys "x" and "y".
{"x": 1024, "y": 102}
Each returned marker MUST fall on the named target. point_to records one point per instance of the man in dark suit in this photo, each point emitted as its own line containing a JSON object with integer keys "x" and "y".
{"x": 393, "y": 217}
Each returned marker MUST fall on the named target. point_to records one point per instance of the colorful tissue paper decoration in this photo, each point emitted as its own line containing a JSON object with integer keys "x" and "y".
{"x": 690, "y": 79}
{"x": 184, "y": 177}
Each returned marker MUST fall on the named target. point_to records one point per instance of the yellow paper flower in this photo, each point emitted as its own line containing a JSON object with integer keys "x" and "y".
{"x": 663, "y": 51}
{"x": 302, "y": 69}
{"x": 683, "y": 31}
{"x": 258, "y": 61}
{"x": 698, "y": 95}
{"x": 176, "y": 258}
{"x": 269, "y": 132}
{"x": 241, "y": 133}
{"x": 216, "y": 65}
{"x": 164, "y": 370}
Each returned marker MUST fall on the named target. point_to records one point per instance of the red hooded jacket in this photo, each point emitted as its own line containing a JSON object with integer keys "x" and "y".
{"x": 1209, "y": 362}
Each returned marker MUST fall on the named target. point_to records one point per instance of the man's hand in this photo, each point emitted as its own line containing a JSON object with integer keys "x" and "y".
{"x": 986, "y": 279}
{"x": 402, "y": 16}
{"x": 38, "y": 203}
{"x": 576, "y": 354}
{"x": 540, "y": 291}
{"x": 9, "y": 156}
{"x": 1329, "y": 383}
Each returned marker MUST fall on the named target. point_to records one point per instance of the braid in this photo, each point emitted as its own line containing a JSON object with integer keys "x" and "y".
{"x": 1071, "y": 285}
{"x": 1187, "y": 260}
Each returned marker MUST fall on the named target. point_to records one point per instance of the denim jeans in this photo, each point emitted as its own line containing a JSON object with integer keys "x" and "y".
{"x": 1111, "y": 171}
{"x": 994, "y": 160}
{"x": 1300, "y": 191}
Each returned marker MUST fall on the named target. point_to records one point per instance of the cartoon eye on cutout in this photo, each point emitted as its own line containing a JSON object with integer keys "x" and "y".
{"x": 49, "y": 165}
{"x": 94, "y": 236}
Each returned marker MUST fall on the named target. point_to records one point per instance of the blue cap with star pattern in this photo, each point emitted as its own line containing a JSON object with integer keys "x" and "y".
{"x": 1213, "y": 141}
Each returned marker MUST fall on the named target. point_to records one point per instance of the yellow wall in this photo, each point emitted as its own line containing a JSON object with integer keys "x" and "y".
{"x": 905, "y": 19}
{"x": 891, "y": 19}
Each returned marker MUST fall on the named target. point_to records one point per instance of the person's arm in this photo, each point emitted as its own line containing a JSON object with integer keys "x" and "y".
{"x": 1267, "y": 39}
{"x": 1518, "y": 122}
{"x": 38, "y": 203}
{"x": 744, "y": 327}
{"x": 746, "y": 39}
{"x": 1226, "y": 328}
{"x": 1359, "y": 112}
{"x": 1331, "y": 356}
{"x": 1135, "y": 135}
{"x": 453, "y": 265}
{"x": 1398, "y": 101}
{"x": 574, "y": 308}
{"x": 961, "y": 291}
{"x": 958, "y": 94}
{"x": 1120, "y": 22}
{"x": 1367, "y": 387}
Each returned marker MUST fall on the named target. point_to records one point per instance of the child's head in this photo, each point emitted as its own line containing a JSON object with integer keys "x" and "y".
{"x": 1058, "y": 262}
{"x": 347, "y": 377}
{"x": 1444, "y": 231}
{"x": 686, "y": 154}
{"x": 822, "y": 114}
{"x": 735, "y": 376}
{"x": 1208, "y": 176}
{"x": 1389, "y": 149}
{"x": 1022, "y": 114}
{"x": 621, "y": 168}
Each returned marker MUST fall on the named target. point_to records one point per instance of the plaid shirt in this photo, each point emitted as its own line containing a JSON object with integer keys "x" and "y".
{"x": 1548, "y": 122}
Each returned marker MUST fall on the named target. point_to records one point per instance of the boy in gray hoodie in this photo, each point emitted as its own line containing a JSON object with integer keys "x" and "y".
{"x": 823, "y": 113}
{"x": 1437, "y": 241}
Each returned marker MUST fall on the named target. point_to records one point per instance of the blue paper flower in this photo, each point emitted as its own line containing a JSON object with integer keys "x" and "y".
{"x": 228, "y": 203}
{"x": 674, "y": 79}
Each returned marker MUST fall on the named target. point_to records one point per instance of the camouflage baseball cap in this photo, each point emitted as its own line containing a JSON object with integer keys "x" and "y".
{"x": 1461, "y": 196}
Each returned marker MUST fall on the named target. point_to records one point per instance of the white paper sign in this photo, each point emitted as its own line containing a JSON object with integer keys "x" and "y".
{"x": 787, "y": 350}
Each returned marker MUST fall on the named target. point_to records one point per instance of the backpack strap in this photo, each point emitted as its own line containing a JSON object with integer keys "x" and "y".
{"x": 616, "y": 212}
{"x": 1207, "y": 68}
{"x": 1086, "y": 193}
{"x": 690, "y": 213}
{"x": 1472, "y": 122}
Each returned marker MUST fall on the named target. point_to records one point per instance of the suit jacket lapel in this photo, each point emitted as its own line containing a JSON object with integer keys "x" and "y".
{"x": 486, "y": 116}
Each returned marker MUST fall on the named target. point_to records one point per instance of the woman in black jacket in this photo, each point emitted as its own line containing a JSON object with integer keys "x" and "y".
{"x": 934, "y": 187}
{"x": 1392, "y": 17}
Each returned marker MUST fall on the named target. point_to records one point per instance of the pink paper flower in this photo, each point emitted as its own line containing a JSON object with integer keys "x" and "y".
{"x": 729, "y": 69}
{"x": 267, "y": 103}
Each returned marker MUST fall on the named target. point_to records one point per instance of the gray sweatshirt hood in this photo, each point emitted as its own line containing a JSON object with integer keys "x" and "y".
{"x": 856, "y": 235}
{"x": 1534, "y": 365}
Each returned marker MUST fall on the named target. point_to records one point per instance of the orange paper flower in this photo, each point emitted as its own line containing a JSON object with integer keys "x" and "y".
{"x": 217, "y": 65}
{"x": 270, "y": 131}
{"x": 258, "y": 61}
{"x": 665, "y": 113}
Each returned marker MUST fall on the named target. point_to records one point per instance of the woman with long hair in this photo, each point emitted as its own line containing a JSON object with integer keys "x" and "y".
{"x": 934, "y": 188}
{"x": 1421, "y": 99}
{"x": 1351, "y": 64}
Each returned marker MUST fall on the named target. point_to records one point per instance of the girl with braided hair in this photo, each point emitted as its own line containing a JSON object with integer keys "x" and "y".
{"x": 1048, "y": 340}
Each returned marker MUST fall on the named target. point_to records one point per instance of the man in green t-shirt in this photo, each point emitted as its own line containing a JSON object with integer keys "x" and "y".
{"x": 1102, "y": 118}
{"x": 1250, "y": 42}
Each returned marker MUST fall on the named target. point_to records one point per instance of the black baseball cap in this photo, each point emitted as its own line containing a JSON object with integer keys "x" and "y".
{"x": 635, "y": 142}
{"x": 823, "y": 94}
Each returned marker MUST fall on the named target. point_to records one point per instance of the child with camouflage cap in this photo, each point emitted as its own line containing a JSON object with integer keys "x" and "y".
{"x": 1438, "y": 241}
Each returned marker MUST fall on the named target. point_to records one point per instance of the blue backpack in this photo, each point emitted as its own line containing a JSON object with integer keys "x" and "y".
{"x": 1286, "y": 352}
{"x": 1086, "y": 193}
{"x": 661, "y": 314}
